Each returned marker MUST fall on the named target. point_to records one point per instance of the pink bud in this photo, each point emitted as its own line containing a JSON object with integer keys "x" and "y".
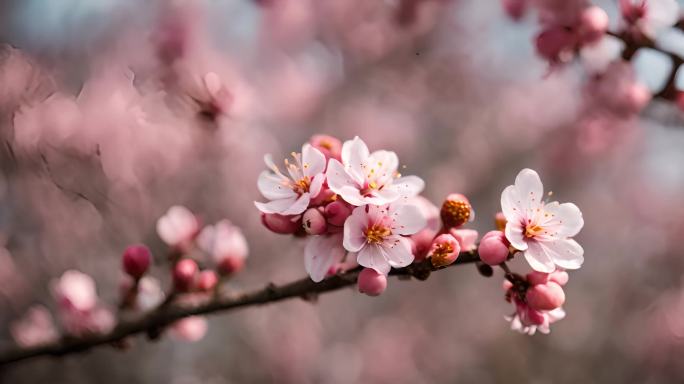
{"x": 325, "y": 196}
{"x": 314, "y": 222}
{"x": 184, "y": 274}
{"x": 421, "y": 242}
{"x": 371, "y": 282}
{"x": 493, "y": 248}
{"x": 536, "y": 277}
{"x": 555, "y": 44}
{"x": 230, "y": 265}
{"x": 515, "y": 9}
{"x": 637, "y": 96}
{"x": 337, "y": 212}
{"x": 207, "y": 280}
{"x": 456, "y": 210}
{"x": 560, "y": 277}
{"x": 136, "y": 260}
{"x": 444, "y": 250}
{"x": 535, "y": 317}
{"x": 190, "y": 329}
{"x": 593, "y": 24}
{"x": 285, "y": 225}
{"x": 467, "y": 238}
{"x": 330, "y": 146}
{"x": 545, "y": 297}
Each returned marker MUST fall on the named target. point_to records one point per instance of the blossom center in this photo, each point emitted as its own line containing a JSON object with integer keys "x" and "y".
{"x": 302, "y": 185}
{"x": 532, "y": 230}
{"x": 376, "y": 234}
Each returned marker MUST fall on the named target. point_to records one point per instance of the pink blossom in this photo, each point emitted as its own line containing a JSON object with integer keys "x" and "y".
{"x": 290, "y": 194}
{"x": 75, "y": 290}
{"x": 444, "y": 250}
{"x": 190, "y": 329}
{"x": 35, "y": 328}
{"x": 545, "y": 296}
{"x": 375, "y": 234}
{"x": 178, "y": 227}
{"x": 223, "y": 241}
{"x": 650, "y": 16}
{"x": 528, "y": 321}
{"x": 369, "y": 178}
{"x": 98, "y": 320}
{"x": 371, "y": 283}
{"x": 321, "y": 254}
{"x": 542, "y": 231}
{"x": 467, "y": 238}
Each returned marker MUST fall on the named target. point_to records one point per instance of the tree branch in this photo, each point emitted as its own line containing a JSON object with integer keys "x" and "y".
{"x": 153, "y": 323}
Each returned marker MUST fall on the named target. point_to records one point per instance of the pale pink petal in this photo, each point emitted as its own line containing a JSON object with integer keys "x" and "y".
{"x": 530, "y": 189}
{"x": 177, "y": 225}
{"x": 382, "y": 197}
{"x": 408, "y": 186}
{"x": 355, "y": 156}
{"x": 190, "y": 329}
{"x": 566, "y": 219}
{"x": 511, "y": 205}
{"x": 371, "y": 256}
{"x": 514, "y": 234}
{"x": 539, "y": 258}
{"x": 273, "y": 187}
{"x": 316, "y": 184}
{"x": 352, "y": 196}
{"x": 566, "y": 253}
{"x": 313, "y": 161}
{"x": 382, "y": 165}
{"x": 275, "y": 206}
{"x": 299, "y": 206}
{"x": 354, "y": 227}
{"x": 338, "y": 177}
{"x": 320, "y": 254}
{"x": 398, "y": 251}
{"x": 407, "y": 219}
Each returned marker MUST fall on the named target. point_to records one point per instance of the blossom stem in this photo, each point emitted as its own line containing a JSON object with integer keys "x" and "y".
{"x": 163, "y": 316}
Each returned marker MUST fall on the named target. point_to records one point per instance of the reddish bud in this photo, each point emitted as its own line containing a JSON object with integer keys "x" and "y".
{"x": 207, "y": 280}
{"x": 545, "y": 297}
{"x": 555, "y": 44}
{"x": 493, "y": 248}
{"x": 184, "y": 274}
{"x": 456, "y": 210}
{"x": 593, "y": 24}
{"x": 371, "y": 282}
{"x": 515, "y": 9}
{"x": 230, "y": 265}
{"x": 314, "y": 222}
{"x": 284, "y": 225}
{"x": 337, "y": 212}
{"x": 136, "y": 260}
{"x": 444, "y": 250}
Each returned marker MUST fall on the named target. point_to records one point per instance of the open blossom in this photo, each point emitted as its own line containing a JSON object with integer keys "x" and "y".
{"x": 369, "y": 178}
{"x": 178, "y": 226}
{"x": 36, "y": 327}
{"x": 290, "y": 194}
{"x": 542, "y": 231}
{"x": 222, "y": 241}
{"x": 79, "y": 311}
{"x": 376, "y": 235}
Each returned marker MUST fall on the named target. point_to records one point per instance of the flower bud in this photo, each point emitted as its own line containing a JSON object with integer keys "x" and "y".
{"x": 329, "y": 146}
{"x": 421, "y": 242}
{"x": 515, "y": 9}
{"x": 536, "y": 277}
{"x": 184, "y": 274}
{"x": 444, "y": 250}
{"x": 545, "y": 297}
{"x": 284, "y": 225}
{"x": 467, "y": 238}
{"x": 230, "y": 265}
{"x": 593, "y": 24}
{"x": 493, "y": 248}
{"x": 136, "y": 260}
{"x": 207, "y": 280}
{"x": 371, "y": 282}
{"x": 560, "y": 277}
{"x": 456, "y": 210}
{"x": 636, "y": 97}
{"x": 314, "y": 222}
{"x": 337, "y": 212}
{"x": 534, "y": 317}
{"x": 555, "y": 44}
{"x": 500, "y": 221}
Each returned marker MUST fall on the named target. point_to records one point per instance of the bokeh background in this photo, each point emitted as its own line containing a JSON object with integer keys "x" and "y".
{"x": 102, "y": 129}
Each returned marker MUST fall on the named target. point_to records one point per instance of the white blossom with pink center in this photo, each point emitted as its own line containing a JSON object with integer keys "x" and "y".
{"x": 223, "y": 240}
{"x": 376, "y": 235}
{"x": 178, "y": 226}
{"x": 290, "y": 194}
{"x": 370, "y": 178}
{"x": 542, "y": 231}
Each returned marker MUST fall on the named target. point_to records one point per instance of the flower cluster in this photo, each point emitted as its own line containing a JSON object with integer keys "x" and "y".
{"x": 357, "y": 209}
{"x": 220, "y": 248}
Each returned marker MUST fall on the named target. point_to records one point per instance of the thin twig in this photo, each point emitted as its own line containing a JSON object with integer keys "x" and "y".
{"x": 166, "y": 315}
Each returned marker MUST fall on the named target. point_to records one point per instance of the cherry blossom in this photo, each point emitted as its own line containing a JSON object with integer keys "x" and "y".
{"x": 321, "y": 254}
{"x": 290, "y": 194}
{"x": 75, "y": 290}
{"x": 36, "y": 327}
{"x": 650, "y": 16}
{"x": 529, "y": 321}
{"x": 190, "y": 329}
{"x": 178, "y": 226}
{"x": 542, "y": 231}
{"x": 375, "y": 234}
{"x": 369, "y": 178}
{"x": 222, "y": 241}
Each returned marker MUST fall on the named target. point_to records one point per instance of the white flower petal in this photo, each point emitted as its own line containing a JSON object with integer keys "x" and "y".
{"x": 272, "y": 186}
{"x": 397, "y": 250}
{"x": 338, "y": 177}
{"x": 565, "y": 220}
{"x": 511, "y": 205}
{"x": 313, "y": 160}
{"x": 407, "y": 219}
{"x": 408, "y": 186}
{"x": 514, "y": 234}
{"x": 299, "y": 206}
{"x": 355, "y": 158}
{"x": 567, "y": 254}
{"x": 530, "y": 190}
{"x": 354, "y": 227}
{"x": 538, "y": 258}
{"x": 316, "y": 184}
{"x": 276, "y": 206}
{"x": 320, "y": 254}
{"x": 371, "y": 256}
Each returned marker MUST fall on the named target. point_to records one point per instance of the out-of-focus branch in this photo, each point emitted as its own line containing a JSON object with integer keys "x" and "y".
{"x": 153, "y": 323}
